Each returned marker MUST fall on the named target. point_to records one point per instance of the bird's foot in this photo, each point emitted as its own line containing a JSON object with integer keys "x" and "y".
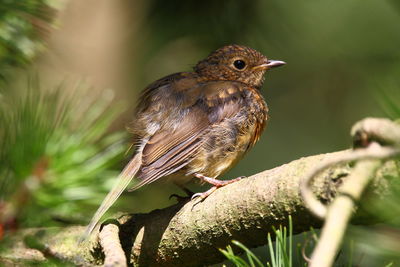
{"x": 204, "y": 195}
{"x": 216, "y": 184}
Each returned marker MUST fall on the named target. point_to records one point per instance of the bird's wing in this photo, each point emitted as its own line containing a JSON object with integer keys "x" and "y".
{"x": 172, "y": 148}
{"x": 150, "y": 97}
{"x": 169, "y": 150}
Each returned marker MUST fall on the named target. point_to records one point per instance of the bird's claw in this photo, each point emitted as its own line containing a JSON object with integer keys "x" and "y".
{"x": 196, "y": 196}
{"x": 204, "y": 195}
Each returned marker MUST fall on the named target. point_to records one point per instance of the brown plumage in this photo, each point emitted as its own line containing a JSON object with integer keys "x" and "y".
{"x": 197, "y": 124}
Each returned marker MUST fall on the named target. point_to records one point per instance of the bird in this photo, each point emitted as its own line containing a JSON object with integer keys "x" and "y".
{"x": 196, "y": 125}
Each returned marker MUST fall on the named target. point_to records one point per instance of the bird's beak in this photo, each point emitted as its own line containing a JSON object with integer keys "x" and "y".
{"x": 269, "y": 64}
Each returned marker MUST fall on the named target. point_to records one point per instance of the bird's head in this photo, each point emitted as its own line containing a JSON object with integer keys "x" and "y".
{"x": 236, "y": 63}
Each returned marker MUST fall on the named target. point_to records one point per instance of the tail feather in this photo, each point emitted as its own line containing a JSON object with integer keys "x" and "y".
{"x": 124, "y": 179}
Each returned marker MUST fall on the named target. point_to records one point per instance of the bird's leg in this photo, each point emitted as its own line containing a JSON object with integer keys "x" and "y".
{"x": 216, "y": 184}
{"x": 179, "y": 198}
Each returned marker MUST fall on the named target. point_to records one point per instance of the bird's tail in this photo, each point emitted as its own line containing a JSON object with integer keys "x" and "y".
{"x": 123, "y": 181}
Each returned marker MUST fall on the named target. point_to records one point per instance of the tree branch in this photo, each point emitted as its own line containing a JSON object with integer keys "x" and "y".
{"x": 188, "y": 235}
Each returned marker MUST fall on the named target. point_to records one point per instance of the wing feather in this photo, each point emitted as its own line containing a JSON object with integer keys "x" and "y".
{"x": 170, "y": 149}
{"x": 160, "y": 158}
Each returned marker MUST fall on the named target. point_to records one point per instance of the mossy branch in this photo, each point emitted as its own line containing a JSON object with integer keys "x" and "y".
{"x": 188, "y": 235}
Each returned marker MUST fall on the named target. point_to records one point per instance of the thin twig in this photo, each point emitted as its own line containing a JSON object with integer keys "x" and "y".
{"x": 109, "y": 240}
{"x": 337, "y": 217}
{"x": 340, "y": 213}
{"x": 371, "y": 152}
{"x": 383, "y": 131}
{"x": 304, "y": 248}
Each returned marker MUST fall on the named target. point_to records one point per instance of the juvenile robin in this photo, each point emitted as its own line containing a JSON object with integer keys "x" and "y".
{"x": 196, "y": 124}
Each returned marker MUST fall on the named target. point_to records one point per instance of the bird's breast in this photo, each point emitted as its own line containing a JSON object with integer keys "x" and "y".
{"x": 227, "y": 141}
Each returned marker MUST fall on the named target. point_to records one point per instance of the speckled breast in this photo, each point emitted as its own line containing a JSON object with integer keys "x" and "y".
{"x": 226, "y": 142}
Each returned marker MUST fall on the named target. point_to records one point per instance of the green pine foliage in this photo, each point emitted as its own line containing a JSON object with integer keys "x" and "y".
{"x": 23, "y": 26}
{"x": 55, "y": 155}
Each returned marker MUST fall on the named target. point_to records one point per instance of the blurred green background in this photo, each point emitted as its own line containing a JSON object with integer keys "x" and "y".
{"x": 343, "y": 58}
{"x": 339, "y": 55}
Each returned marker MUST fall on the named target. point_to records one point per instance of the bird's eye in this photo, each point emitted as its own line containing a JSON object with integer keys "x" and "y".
{"x": 239, "y": 64}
